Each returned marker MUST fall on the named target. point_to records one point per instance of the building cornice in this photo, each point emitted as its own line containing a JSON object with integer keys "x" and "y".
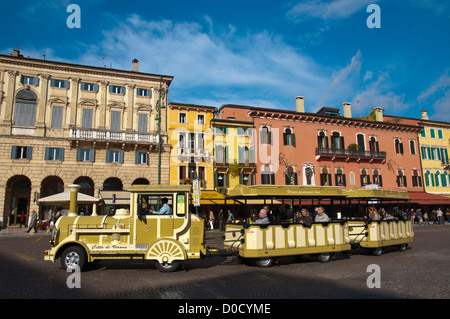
{"x": 81, "y": 69}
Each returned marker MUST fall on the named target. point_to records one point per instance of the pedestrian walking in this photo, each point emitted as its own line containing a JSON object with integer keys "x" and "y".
{"x": 212, "y": 219}
{"x": 33, "y": 222}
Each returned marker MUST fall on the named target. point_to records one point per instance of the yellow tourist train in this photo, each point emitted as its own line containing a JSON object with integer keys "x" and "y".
{"x": 159, "y": 226}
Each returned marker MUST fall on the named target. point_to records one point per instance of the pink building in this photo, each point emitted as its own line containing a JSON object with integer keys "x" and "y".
{"x": 328, "y": 149}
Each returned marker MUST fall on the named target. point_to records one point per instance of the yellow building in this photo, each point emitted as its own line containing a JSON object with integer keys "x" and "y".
{"x": 63, "y": 123}
{"x": 434, "y": 142}
{"x": 234, "y": 149}
{"x": 190, "y": 137}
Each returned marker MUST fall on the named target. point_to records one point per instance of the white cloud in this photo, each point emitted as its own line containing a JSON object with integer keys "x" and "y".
{"x": 377, "y": 93}
{"x": 439, "y": 91}
{"x": 207, "y": 63}
{"x": 342, "y": 82}
{"x": 326, "y": 10}
{"x": 441, "y": 84}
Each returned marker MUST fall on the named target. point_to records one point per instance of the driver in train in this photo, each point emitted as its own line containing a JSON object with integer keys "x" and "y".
{"x": 165, "y": 209}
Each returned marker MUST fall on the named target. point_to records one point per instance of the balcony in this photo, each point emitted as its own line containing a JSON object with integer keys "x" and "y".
{"x": 198, "y": 154}
{"x": 347, "y": 154}
{"x": 87, "y": 134}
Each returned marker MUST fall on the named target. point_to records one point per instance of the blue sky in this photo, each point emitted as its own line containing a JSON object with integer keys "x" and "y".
{"x": 261, "y": 53}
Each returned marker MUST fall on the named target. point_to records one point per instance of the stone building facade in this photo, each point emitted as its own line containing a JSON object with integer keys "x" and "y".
{"x": 64, "y": 123}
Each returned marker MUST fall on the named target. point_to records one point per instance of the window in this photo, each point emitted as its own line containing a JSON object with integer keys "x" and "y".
{"x": 267, "y": 176}
{"x": 423, "y": 133}
{"x": 412, "y": 147}
{"x": 440, "y": 135}
{"x": 93, "y": 87}
{"x": 25, "y": 108}
{"x": 432, "y": 133}
{"x": 85, "y": 155}
{"x": 116, "y": 89}
{"x": 114, "y": 156}
{"x": 144, "y": 92}
{"x": 155, "y": 203}
{"x": 289, "y": 137}
{"x": 182, "y": 118}
{"x": 54, "y": 154}
{"x": 428, "y": 179}
{"x": 200, "y": 119}
{"x": 115, "y": 120}
{"x": 444, "y": 177}
{"x": 377, "y": 178}
{"x": 325, "y": 178}
{"x": 361, "y": 142}
{"x": 182, "y": 173}
{"x": 57, "y": 116}
{"x": 221, "y": 180}
{"x": 401, "y": 179}
{"x": 141, "y": 158}
{"x": 340, "y": 178}
{"x": 265, "y": 136}
{"x": 365, "y": 179}
{"x": 29, "y": 80}
{"x": 246, "y": 179}
{"x": 219, "y": 154}
{"x": 322, "y": 140}
{"x": 373, "y": 145}
{"x": 398, "y": 146}
{"x": 87, "y": 118}
{"x": 416, "y": 179}
{"x": 337, "y": 141}
{"x": 21, "y": 152}
{"x": 63, "y": 84}
{"x": 243, "y": 155}
{"x": 143, "y": 123}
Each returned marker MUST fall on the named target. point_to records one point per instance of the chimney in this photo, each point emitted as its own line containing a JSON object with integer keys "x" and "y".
{"x": 135, "y": 65}
{"x": 424, "y": 115}
{"x": 347, "y": 109}
{"x": 300, "y": 104}
{"x": 16, "y": 52}
{"x": 379, "y": 114}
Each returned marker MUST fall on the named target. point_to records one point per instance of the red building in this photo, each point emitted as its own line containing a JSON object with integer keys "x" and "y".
{"x": 328, "y": 149}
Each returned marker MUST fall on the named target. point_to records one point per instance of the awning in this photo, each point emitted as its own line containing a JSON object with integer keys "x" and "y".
{"x": 65, "y": 197}
{"x": 210, "y": 197}
{"x": 286, "y": 191}
{"x": 424, "y": 198}
{"x": 375, "y": 194}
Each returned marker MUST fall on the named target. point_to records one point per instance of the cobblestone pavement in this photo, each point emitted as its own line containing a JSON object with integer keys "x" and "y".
{"x": 420, "y": 272}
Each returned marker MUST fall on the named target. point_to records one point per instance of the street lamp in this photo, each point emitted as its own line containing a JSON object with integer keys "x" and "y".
{"x": 160, "y": 105}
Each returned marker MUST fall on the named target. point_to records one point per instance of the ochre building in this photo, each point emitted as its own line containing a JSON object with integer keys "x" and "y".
{"x": 64, "y": 123}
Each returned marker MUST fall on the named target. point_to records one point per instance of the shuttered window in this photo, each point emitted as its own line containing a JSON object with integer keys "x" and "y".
{"x": 87, "y": 118}
{"x": 143, "y": 123}
{"x": 57, "y": 116}
{"x": 115, "y": 121}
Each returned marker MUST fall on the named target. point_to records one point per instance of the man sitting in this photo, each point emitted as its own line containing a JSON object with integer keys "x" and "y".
{"x": 263, "y": 219}
{"x": 165, "y": 209}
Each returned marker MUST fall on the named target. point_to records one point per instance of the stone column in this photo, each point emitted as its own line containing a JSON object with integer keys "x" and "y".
{"x": 71, "y": 116}
{"x": 103, "y": 88}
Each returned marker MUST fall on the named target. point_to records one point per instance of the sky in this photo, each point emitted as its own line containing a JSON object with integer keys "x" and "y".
{"x": 257, "y": 53}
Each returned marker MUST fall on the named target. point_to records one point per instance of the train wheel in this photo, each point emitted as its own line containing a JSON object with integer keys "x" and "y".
{"x": 265, "y": 262}
{"x": 403, "y": 247}
{"x": 377, "y": 251}
{"x": 167, "y": 267}
{"x": 324, "y": 257}
{"x": 167, "y": 253}
{"x": 73, "y": 256}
